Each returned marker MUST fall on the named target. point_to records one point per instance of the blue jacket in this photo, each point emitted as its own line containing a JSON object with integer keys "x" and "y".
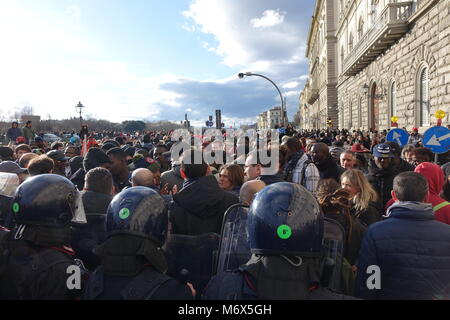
{"x": 412, "y": 250}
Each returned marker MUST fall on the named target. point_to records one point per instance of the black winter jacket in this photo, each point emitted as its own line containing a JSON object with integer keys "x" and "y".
{"x": 330, "y": 169}
{"x": 382, "y": 181}
{"x": 199, "y": 207}
{"x": 86, "y": 237}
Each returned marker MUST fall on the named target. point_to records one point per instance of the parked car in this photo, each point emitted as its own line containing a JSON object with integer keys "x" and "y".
{"x": 50, "y": 137}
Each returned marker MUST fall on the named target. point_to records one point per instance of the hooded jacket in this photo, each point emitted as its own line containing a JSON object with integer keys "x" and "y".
{"x": 199, "y": 206}
{"x": 435, "y": 178}
{"x": 412, "y": 251}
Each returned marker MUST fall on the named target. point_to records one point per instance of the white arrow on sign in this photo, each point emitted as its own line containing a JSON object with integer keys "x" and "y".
{"x": 397, "y": 137}
{"x": 435, "y": 141}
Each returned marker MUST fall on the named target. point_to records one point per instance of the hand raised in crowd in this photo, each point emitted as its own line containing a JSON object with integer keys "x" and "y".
{"x": 165, "y": 189}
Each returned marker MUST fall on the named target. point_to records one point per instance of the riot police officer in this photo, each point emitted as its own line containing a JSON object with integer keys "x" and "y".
{"x": 36, "y": 260}
{"x": 285, "y": 230}
{"x": 133, "y": 263}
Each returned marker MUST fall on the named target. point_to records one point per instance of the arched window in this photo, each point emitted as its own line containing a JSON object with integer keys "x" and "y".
{"x": 424, "y": 97}
{"x": 392, "y": 100}
{"x": 350, "y": 42}
{"x": 360, "y": 28}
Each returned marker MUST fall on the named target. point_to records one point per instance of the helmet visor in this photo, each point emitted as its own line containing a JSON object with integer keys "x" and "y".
{"x": 78, "y": 214}
{"x": 9, "y": 182}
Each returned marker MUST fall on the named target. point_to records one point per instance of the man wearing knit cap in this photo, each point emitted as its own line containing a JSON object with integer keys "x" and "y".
{"x": 94, "y": 158}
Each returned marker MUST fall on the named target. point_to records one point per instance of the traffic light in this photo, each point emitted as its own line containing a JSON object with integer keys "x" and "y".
{"x": 329, "y": 122}
{"x": 218, "y": 118}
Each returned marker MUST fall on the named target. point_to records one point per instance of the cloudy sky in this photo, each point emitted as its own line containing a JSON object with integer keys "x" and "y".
{"x": 152, "y": 59}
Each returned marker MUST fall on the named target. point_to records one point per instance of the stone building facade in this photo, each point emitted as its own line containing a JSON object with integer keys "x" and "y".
{"x": 320, "y": 95}
{"x": 271, "y": 118}
{"x": 393, "y": 58}
{"x": 262, "y": 120}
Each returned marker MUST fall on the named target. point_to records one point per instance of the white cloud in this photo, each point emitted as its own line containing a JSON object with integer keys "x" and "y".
{"x": 291, "y": 93}
{"x": 304, "y": 77}
{"x": 278, "y": 52}
{"x": 291, "y": 85}
{"x": 269, "y": 18}
{"x": 188, "y": 28}
{"x": 50, "y": 64}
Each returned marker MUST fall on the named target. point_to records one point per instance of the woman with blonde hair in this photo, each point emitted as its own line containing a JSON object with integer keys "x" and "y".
{"x": 364, "y": 196}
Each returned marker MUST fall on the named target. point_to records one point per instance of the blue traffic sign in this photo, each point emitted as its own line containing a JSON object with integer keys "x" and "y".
{"x": 437, "y": 139}
{"x": 398, "y": 135}
{"x": 210, "y": 123}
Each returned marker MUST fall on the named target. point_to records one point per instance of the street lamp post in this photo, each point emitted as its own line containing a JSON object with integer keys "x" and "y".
{"x": 79, "y": 108}
{"x": 248, "y": 74}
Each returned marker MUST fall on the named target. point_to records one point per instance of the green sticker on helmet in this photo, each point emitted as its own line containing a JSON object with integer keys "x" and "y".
{"x": 124, "y": 213}
{"x": 15, "y": 207}
{"x": 284, "y": 231}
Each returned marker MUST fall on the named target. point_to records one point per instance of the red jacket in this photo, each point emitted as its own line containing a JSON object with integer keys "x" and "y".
{"x": 435, "y": 177}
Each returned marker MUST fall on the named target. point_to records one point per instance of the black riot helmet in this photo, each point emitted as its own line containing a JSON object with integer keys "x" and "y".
{"x": 139, "y": 211}
{"x": 285, "y": 219}
{"x": 48, "y": 200}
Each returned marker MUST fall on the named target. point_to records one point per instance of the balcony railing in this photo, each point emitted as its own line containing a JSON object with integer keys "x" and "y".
{"x": 390, "y": 26}
{"x": 313, "y": 95}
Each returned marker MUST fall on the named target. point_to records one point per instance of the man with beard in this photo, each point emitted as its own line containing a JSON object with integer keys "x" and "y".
{"x": 299, "y": 168}
{"x": 327, "y": 167}
{"x": 382, "y": 172}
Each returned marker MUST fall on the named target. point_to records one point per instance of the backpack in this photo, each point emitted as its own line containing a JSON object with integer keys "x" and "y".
{"x": 303, "y": 173}
{"x": 22, "y": 264}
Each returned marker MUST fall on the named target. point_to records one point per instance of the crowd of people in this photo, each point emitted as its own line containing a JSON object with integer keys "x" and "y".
{"x": 125, "y": 208}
